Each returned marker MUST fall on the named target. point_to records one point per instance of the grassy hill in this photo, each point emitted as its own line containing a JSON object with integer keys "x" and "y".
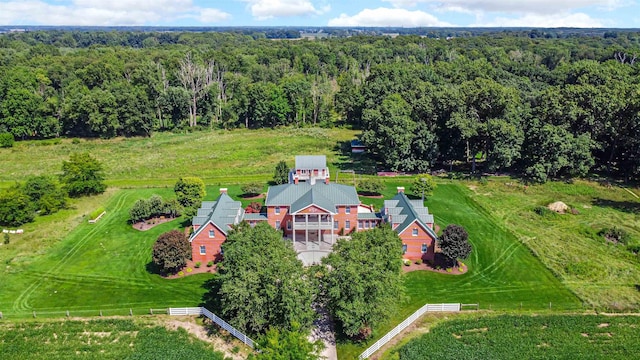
{"x": 216, "y": 156}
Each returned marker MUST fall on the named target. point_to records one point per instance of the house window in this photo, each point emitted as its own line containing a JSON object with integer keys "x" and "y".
{"x": 360, "y": 225}
{"x": 347, "y": 210}
{"x": 335, "y": 224}
{"x": 212, "y": 233}
{"x": 366, "y": 224}
{"x": 415, "y": 232}
{"x": 252, "y": 223}
{"x": 277, "y": 210}
{"x": 277, "y": 224}
{"x": 424, "y": 248}
{"x": 289, "y": 225}
{"x": 404, "y": 249}
{"x": 221, "y": 250}
{"x": 203, "y": 250}
{"x": 347, "y": 225}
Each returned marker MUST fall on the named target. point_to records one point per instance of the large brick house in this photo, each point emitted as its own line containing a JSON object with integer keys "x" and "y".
{"x": 312, "y": 213}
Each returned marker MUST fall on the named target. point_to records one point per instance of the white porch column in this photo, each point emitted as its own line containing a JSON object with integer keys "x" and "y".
{"x": 306, "y": 230}
{"x": 293, "y": 228}
{"x": 333, "y": 234}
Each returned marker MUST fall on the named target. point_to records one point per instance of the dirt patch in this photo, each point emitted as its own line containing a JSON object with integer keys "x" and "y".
{"x": 558, "y": 207}
{"x": 473, "y": 188}
{"x": 437, "y": 265}
{"x": 148, "y": 224}
{"x": 231, "y": 349}
{"x": 259, "y": 196}
{"x": 191, "y": 269}
{"x": 603, "y": 325}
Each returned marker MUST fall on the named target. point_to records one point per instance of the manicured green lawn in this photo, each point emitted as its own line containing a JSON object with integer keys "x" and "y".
{"x": 100, "y": 266}
{"x": 503, "y": 274}
{"x": 100, "y": 339}
{"x": 217, "y": 156}
{"x": 528, "y": 337}
{"x": 602, "y": 274}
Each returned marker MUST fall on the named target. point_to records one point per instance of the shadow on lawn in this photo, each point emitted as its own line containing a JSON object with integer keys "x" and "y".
{"x": 625, "y": 206}
{"x": 211, "y": 299}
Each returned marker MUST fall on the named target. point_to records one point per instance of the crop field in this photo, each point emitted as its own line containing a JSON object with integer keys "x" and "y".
{"x": 216, "y": 156}
{"x": 602, "y": 274}
{"x": 100, "y": 339}
{"x": 527, "y": 337}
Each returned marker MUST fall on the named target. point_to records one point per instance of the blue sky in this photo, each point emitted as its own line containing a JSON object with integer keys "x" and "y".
{"x": 407, "y": 13}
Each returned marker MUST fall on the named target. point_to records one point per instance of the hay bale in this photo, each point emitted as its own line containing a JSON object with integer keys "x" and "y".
{"x": 558, "y": 207}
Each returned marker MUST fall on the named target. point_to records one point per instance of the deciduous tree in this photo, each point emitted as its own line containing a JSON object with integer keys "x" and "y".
{"x": 281, "y": 175}
{"x": 454, "y": 243}
{"x": 171, "y": 251}
{"x": 262, "y": 284}
{"x": 82, "y": 175}
{"x": 423, "y": 185}
{"x": 190, "y": 191}
{"x": 363, "y": 283}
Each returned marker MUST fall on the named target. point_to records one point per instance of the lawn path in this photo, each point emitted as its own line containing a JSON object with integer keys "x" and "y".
{"x": 22, "y": 302}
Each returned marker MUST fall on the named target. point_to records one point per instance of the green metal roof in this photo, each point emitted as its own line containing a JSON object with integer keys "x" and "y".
{"x": 222, "y": 213}
{"x": 369, "y": 216}
{"x": 404, "y": 212}
{"x": 255, "y": 217}
{"x": 311, "y": 162}
{"x": 301, "y": 195}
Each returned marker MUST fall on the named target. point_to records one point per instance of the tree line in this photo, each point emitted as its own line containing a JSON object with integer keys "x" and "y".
{"x": 539, "y": 107}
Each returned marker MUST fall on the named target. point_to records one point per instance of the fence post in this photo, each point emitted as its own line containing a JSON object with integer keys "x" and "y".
{"x": 0, "y": 315}
{"x": 130, "y": 312}
{"x": 549, "y": 304}
{"x": 151, "y": 311}
{"x": 67, "y": 313}
{"x": 34, "y": 313}
{"x": 101, "y": 313}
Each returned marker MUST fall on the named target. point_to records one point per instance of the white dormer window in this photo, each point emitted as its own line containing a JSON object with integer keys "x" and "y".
{"x": 212, "y": 233}
{"x": 415, "y": 232}
{"x": 277, "y": 210}
{"x": 347, "y": 210}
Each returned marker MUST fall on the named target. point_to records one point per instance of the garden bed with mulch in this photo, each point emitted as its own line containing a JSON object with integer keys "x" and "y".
{"x": 438, "y": 265}
{"x": 150, "y": 223}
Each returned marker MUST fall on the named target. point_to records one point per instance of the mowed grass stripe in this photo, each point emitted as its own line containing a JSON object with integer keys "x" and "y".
{"x": 101, "y": 266}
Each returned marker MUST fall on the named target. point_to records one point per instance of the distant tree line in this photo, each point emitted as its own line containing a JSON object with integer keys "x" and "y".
{"x": 519, "y": 101}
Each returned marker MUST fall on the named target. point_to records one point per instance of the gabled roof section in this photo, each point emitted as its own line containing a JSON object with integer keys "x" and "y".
{"x": 313, "y": 197}
{"x": 404, "y": 212}
{"x": 311, "y": 162}
{"x": 301, "y": 195}
{"x": 222, "y": 213}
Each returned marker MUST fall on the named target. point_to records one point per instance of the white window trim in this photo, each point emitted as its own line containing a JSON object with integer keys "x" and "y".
{"x": 212, "y": 234}
{"x": 424, "y": 248}
{"x": 277, "y": 210}
{"x": 203, "y": 247}
{"x": 414, "y": 232}
{"x": 405, "y": 248}
{"x": 347, "y": 210}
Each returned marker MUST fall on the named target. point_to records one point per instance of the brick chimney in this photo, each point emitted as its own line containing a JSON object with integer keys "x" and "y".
{"x": 223, "y": 191}
{"x": 326, "y": 180}
{"x": 400, "y": 189}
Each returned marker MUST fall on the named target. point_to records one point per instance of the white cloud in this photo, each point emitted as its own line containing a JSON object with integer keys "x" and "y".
{"x": 388, "y": 17}
{"x": 579, "y": 20}
{"x": 268, "y": 9}
{"x": 102, "y": 13}
{"x": 213, "y": 16}
{"x": 511, "y": 6}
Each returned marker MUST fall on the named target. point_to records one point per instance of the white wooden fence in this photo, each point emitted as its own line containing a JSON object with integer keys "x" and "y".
{"x": 223, "y": 324}
{"x": 408, "y": 321}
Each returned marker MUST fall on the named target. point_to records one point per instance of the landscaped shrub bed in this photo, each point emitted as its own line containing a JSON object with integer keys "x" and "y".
{"x": 529, "y": 337}
{"x": 99, "y": 339}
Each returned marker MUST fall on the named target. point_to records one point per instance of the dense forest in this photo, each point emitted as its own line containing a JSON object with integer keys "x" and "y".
{"x": 523, "y": 102}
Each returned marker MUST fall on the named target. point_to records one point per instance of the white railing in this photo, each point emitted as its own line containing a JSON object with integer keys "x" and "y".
{"x": 223, "y": 324}
{"x": 408, "y": 321}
